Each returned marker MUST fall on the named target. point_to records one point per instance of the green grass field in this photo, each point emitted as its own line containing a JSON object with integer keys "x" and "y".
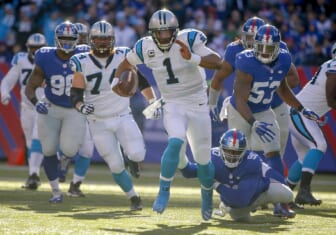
{"x": 105, "y": 209}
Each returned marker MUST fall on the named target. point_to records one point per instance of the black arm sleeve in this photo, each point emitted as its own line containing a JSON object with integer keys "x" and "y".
{"x": 76, "y": 95}
{"x": 143, "y": 82}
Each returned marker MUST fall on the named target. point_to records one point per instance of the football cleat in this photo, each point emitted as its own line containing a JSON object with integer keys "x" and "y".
{"x": 33, "y": 182}
{"x": 56, "y": 198}
{"x": 206, "y": 203}
{"x": 283, "y": 210}
{"x": 222, "y": 210}
{"x": 161, "y": 201}
{"x": 305, "y": 196}
{"x": 74, "y": 190}
{"x": 136, "y": 203}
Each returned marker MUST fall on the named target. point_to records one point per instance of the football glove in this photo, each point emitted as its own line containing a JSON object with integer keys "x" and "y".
{"x": 5, "y": 98}
{"x": 261, "y": 128}
{"x": 214, "y": 112}
{"x": 41, "y": 107}
{"x": 154, "y": 109}
{"x": 307, "y": 113}
{"x": 86, "y": 109}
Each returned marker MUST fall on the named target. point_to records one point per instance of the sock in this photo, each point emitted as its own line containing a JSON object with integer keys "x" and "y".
{"x": 276, "y": 163}
{"x": 206, "y": 174}
{"x": 82, "y": 165}
{"x": 294, "y": 173}
{"x": 190, "y": 170}
{"x": 311, "y": 160}
{"x": 123, "y": 180}
{"x": 306, "y": 179}
{"x": 50, "y": 167}
{"x": 35, "y": 162}
{"x": 170, "y": 158}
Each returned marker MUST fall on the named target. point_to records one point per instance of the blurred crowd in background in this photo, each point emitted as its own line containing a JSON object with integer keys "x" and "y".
{"x": 308, "y": 27}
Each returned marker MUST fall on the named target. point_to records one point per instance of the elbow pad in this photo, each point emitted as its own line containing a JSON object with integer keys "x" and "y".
{"x": 76, "y": 95}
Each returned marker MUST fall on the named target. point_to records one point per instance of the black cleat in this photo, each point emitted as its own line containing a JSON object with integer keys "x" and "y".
{"x": 305, "y": 196}
{"x": 74, "y": 190}
{"x": 136, "y": 203}
{"x": 33, "y": 182}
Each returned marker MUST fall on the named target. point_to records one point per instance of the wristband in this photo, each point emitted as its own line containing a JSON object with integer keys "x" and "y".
{"x": 195, "y": 59}
{"x": 300, "y": 108}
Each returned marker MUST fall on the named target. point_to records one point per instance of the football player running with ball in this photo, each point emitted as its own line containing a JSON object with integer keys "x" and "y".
{"x": 110, "y": 120}
{"x": 177, "y": 59}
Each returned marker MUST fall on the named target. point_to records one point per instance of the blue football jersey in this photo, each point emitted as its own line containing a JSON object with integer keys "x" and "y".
{"x": 266, "y": 77}
{"x": 241, "y": 185}
{"x": 58, "y": 74}
{"x": 231, "y": 51}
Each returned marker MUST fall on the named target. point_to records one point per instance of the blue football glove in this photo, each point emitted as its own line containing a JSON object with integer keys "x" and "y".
{"x": 86, "y": 109}
{"x": 261, "y": 128}
{"x": 307, "y": 113}
{"x": 42, "y": 107}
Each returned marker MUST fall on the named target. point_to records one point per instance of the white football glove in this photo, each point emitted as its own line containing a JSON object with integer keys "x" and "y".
{"x": 154, "y": 109}
{"x": 5, "y": 98}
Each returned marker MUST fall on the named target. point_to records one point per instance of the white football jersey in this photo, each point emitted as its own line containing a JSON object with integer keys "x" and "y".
{"x": 313, "y": 94}
{"x": 98, "y": 78}
{"x": 22, "y": 66}
{"x": 177, "y": 79}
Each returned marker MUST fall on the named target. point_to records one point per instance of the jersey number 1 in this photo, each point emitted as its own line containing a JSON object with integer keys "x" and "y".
{"x": 172, "y": 79}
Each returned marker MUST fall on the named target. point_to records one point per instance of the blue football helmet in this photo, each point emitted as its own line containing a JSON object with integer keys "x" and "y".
{"x": 233, "y": 145}
{"x": 83, "y": 32}
{"x": 163, "y": 26}
{"x": 66, "y": 36}
{"x": 35, "y": 42}
{"x": 249, "y": 30}
{"x": 267, "y": 43}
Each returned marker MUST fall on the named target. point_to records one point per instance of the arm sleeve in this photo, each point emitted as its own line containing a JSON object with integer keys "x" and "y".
{"x": 9, "y": 81}
{"x": 143, "y": 82}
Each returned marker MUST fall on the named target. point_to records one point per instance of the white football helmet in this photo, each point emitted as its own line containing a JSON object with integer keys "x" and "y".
{"x": 233, "y": 145}
{"x": 35, "y": 42}
{"x": 102, "y": 38}
{"x": 163, "y": 26}
{"x": 83, "y": 32}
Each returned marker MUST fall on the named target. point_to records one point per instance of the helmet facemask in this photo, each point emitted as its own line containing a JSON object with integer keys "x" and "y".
{"x": 232, "y": 146}
{"x": 66, "y": 37}
{"x": 102, "y": 38}
{"x": 266, "y": 53}
{"x": 163, "y": 27}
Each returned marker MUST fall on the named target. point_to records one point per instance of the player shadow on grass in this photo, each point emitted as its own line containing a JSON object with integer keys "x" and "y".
{"x": 265, "y": 223}
{"x": 164, "y": 229}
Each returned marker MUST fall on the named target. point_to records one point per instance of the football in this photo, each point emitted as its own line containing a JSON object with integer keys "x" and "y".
{"x": 128, "y": 83}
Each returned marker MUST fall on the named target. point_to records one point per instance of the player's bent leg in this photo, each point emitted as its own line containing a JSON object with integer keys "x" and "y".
{"x": 169, "y": 164}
